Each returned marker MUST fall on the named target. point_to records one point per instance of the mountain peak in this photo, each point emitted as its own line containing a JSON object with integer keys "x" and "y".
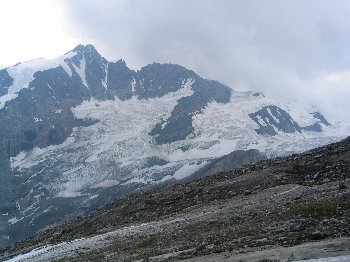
{"x": 82, "y": 48}
{"x": 87, "y": 50}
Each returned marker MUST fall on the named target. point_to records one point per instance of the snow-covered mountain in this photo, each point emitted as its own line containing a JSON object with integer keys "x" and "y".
{"x": 79, "y": 131}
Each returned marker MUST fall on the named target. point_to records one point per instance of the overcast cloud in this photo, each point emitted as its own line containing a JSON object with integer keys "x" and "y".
{"x": 291, "y": 50}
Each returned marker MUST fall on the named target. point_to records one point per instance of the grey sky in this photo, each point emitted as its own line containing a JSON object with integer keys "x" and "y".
{"x": 294, "y": 50}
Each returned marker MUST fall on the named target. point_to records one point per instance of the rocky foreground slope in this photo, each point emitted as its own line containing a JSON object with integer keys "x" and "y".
{"x": 260, "y": 211}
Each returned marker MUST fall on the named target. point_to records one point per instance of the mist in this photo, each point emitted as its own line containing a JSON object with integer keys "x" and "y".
{"x": 289, "y": 50}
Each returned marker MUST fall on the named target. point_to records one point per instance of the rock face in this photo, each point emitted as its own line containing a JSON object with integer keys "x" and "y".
{"x": 271, "y": 116}
{"x": 79, "y": 131}
{"x": 254, "y": 212}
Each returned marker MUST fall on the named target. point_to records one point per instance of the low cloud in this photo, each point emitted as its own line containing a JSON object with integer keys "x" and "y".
{"x": 291, "y": 50}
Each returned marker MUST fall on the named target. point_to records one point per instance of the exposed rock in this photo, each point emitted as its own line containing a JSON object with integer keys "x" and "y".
{"x": 273, "y": 116}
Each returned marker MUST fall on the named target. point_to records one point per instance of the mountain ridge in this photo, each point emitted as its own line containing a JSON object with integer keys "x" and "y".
{"x": 79, "y": 131}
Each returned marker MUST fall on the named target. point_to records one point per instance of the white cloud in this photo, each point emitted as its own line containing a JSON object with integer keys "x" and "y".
{"x": 332, "y": 92}
{"x": 291, "y": 50}
{"x": 284, "y": 48}
{"x": 32, "y": 29}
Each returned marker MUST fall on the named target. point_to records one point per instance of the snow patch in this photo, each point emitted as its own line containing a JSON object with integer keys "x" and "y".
{"x": 261, "y": 121}
{"x": 36, "y": 119}
{"x": 133, "y": 86}
{"x": 13, "y": 220}
{"x": 104, "y": 81}
{"x": 272, "y": 115}
{"x": 93, "y": 197}
{"x": 81, "y": 69}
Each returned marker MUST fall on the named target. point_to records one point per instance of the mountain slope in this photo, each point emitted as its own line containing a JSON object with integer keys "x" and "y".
{"x": 79, "y": 131}
{"x": 237, "y": 215}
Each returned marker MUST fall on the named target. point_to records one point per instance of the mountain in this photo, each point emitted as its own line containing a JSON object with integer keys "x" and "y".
{"x": 285, "y": 209}
{"x": 79, "y": 131}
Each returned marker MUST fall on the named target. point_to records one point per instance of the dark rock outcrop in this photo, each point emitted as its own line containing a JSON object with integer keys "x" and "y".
{"x": 5, "y": 81}
{"x": 270, "y": 117}
{"x": 320, "y": 117}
